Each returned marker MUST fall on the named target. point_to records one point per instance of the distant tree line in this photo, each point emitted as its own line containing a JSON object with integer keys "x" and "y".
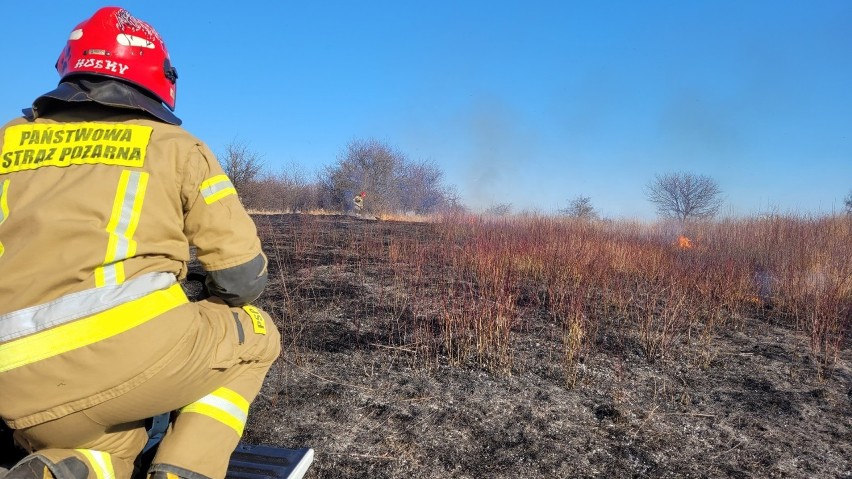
{"x": 395, "y": 184}
{"x": 392, "y": 183}
{"x": 681, "y": 196}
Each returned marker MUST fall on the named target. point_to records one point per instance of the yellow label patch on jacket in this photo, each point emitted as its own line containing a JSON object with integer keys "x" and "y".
{"x": 34, "y": 145}
{"x": 256, "y": 319}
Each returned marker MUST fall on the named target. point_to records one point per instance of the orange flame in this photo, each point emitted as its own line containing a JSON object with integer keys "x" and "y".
{"x": 754, "y": 300}
{"x": 684, "y": 243}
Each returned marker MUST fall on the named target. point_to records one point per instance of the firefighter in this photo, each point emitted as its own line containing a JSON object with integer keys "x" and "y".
{"x": 102, "y": 194}
{"x": 358, "y": 202}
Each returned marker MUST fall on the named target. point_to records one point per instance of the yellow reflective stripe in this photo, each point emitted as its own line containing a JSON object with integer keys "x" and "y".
{"x": 4, "y": 202}
{"x": 223, "y": 405}
{"x": 4, "y": 208}
{"x": 99, "y": 277}
{"x": 101, "y": 463}
{"x": 126, "y": 210}
{"x": 82, "y": 304}
{"x": 89, "y": 330}
{"x": 215, "y": 188}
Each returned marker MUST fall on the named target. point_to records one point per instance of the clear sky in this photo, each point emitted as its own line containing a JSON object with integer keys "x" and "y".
{"x": 531, "y": 103}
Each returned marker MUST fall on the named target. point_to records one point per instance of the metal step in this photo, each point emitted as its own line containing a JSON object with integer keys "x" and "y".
{"x": 262, "y": 462}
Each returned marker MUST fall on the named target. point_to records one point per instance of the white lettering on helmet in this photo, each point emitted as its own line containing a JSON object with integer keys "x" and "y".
{"x": 99, "y": 64}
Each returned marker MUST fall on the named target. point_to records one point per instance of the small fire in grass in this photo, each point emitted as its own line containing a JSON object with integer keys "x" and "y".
{"x": 755, "y": 299}
{"x": 684, "y": 243}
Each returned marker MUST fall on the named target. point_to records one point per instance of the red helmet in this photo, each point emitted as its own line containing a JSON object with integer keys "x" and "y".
{"x": 116, "y": 44}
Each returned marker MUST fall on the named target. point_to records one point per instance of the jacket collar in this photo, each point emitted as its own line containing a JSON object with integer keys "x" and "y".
{"x": 106, "y": 91}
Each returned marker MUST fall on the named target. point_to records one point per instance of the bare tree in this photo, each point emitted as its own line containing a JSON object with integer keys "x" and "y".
{"x": 452, "y": 203}
{"x": 369, "y": 166}
{"x": 580, "y": 207}
{"x": 499, "y": 209}
{"x": 295, "y": 192}
{"x": 848, "y": 203}
{"x": 684, "y": 196}
{"x": 391, "y": 181}
{"x": 287, "y": 191}
{"x": 241, "y": 164}
{"x": 420, "y": 187}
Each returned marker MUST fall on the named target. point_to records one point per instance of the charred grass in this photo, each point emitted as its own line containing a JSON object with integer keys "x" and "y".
{"x": 541, "y": 347}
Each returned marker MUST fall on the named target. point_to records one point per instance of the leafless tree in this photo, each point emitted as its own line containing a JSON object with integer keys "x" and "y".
{"x": 260, "y": 194}
{"x": 848, "y": 203}
{"x": 296, "y": 193}
{"x": 420, "y": 187}
{"x": 499, "y": 209}
{"x": 368, "y": 166}
{"x": 580, "y": 207}
{"x": 288, "y": 190}
{"x": 390, "y": 180}
{"x": 452, "y": 202}
{"x": 241, "y": 164}
{"x": 684, "y": 196}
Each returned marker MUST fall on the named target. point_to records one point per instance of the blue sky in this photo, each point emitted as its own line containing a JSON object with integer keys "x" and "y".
{"x": 522, "y": 102}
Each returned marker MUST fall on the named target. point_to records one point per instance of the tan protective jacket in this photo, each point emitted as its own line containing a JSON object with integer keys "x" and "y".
{"x": 97, "y": 215}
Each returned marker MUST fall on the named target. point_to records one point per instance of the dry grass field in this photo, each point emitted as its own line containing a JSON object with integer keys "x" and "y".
{"x": 541, "y": 347}
{"x": 538, "y": 347}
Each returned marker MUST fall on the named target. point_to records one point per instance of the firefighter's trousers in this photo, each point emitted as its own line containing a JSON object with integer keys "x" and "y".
{"x": 211, "y": 376}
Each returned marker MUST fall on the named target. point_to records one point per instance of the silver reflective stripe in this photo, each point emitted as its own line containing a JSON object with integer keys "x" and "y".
{"x": 78, "y": 305}
{"x": 110, "y": 275}
{"x": 122, "y": 246}
{"x": 225, "y": 406}
{"x": 215, "y": 188}
{"x": 126, "y": 210}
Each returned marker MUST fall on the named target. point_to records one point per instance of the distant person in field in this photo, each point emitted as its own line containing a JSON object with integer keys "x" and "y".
{"x": 102, "y": 193}
{"x": 358, "y": 202}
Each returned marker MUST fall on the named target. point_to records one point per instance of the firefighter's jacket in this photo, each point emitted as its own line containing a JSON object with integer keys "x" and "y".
{"x": 98, "y": 210}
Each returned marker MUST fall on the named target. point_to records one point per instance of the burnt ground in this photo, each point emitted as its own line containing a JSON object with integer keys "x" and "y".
{"x": 752, "y": 405}
{"x": 364, "y": 396}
